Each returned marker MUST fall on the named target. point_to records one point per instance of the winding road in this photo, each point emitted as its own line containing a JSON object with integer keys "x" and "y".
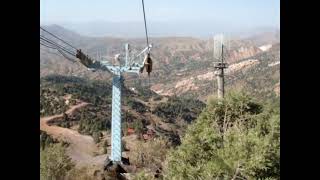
{"x": 82, "y": 148}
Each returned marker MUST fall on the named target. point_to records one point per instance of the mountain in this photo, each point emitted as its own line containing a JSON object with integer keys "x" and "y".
{"x": 182, "y": 65}
{"x": 75, "y": 103}
{"x": 271, "y": 37}
{"x": 199, "y": 29}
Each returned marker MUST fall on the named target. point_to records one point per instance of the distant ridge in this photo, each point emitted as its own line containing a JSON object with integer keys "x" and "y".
{"x": 161, "y": 29}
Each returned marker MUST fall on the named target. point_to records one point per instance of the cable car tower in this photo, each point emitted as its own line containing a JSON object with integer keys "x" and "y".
{"x": 219, "y": 51}
{"x": 132, "y": 64}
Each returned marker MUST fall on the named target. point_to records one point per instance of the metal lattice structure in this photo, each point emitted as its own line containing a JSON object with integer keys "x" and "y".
{"x": 116, "y": 119}
{"x": 136, "y": 64}
{"x": 132, "y": 65}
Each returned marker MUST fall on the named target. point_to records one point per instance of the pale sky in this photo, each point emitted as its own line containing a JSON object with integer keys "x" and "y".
{"x": 247, "y": 13}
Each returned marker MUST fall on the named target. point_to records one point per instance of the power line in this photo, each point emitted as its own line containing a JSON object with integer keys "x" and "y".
{"x": 56, "y": 45}
{"x": 57, "y": 37}
{"x": 52, "y": 42}
{"x": 48, "y": 46}
{"x": 60, "y": 51}
{"x": 60, "y": 48}
{"x": 64, "y": 55}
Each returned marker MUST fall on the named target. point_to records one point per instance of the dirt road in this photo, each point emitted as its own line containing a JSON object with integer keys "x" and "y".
{"x": 82, "y": 148}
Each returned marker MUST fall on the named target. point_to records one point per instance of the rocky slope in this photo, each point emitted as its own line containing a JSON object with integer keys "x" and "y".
{"x": 182, "y": 65}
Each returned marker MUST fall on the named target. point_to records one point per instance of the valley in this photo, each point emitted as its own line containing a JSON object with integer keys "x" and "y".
{"x": 183, "y": 65}
{"x": 75, "y": 103}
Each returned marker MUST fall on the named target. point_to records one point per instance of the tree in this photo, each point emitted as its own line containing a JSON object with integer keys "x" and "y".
{"x": 54, "y": 163}
{"x": 65, "y": 117}
{"x": 45, "y": 140}
{"x": 105, "y": 146}
{"x": 96, "y": 136}
{"x": 138, "y": 127}
{"x": 235, "y": 139}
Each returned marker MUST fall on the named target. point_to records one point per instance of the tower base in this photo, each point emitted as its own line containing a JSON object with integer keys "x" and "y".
{"x": 119, "y": 167}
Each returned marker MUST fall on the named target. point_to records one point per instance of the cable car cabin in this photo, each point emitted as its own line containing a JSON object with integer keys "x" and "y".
{"x": 85, "y": 60}
{"x": 147, "y": 64}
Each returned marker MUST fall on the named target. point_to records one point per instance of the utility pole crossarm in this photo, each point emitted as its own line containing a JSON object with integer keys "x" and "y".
{"x": 131, "y": 65}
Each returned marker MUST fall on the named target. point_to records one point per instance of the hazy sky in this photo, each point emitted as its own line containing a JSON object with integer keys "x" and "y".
{"x": 246, "y": 13}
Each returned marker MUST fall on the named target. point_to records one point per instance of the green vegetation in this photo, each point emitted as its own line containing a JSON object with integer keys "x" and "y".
{"x": 51, "y": 102}
{"x": 150, "y": 154}
{"x": 93, "y": 119}
{"x": 143, "y": 176}
{"x": 184, "y": 108}
{"x": 144, "y": 92}
{"x": 54, "y": 163}
{"x": 235, "y": 139}
{"x": 45, "y": 140}
{"x": 96, "y": 136}
{"x": 138, "y": 125}
{"x": 92, "y": 91}
{"x": 137, "y": 106}
{"x": 79, "y": 174}
{"x": 260, "y": 80}
{"x": 96, "y": 117}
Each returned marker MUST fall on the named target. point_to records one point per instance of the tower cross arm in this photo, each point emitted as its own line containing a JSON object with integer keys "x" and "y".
{"x": 96, "y": 65}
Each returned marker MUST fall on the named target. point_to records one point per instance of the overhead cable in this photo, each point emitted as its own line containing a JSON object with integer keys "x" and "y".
{"x": 57, "y": 37}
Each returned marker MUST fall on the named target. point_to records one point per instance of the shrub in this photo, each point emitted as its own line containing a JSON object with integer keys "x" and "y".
{"x": 54, "y": 163}
{"x": 235, "y": 138}
{"x": 150, "y": 154}
{"x": 96, "y": 136}
{"x": 186, "y": 108}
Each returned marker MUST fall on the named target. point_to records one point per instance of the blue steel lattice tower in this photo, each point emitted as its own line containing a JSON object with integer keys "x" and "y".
{"x": 116, "y": 118}
{"x": 132, "y": 65}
